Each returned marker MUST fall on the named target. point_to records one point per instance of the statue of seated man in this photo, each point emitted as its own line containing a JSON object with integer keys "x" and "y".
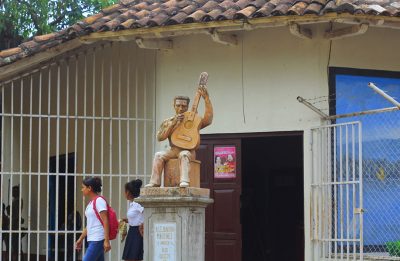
{"x": 181, "y": 104}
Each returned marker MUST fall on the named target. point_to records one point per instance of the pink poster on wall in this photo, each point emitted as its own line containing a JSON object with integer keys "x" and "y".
{"x": 225, "y": 162}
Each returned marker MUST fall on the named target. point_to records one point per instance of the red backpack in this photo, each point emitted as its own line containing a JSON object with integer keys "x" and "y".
{"x": 112, "y": 219}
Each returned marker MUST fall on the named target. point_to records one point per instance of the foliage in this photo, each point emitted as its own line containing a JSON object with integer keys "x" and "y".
{"x": 26, "y": 18}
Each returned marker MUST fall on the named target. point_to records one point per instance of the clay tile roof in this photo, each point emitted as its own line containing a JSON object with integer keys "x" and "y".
{"x": 298, "y": 8}
{"x": 257, "y": 3}
{"x": 129, "y": 14}
{"x": 212, "y": 15}
{"x": 264, "y": 11}
{"x": 195, "y": 17}
{"x": 10, "y": 52}
{"x": 313, "y": 8}
{"x": 245, "y": 13}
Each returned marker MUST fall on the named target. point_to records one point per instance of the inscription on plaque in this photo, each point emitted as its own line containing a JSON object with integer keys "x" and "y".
{"x": 165, "y": 241}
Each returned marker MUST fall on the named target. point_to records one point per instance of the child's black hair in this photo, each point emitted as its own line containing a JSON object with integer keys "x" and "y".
{"x": 133, "y": 187}
{"x": 94, "y": 183}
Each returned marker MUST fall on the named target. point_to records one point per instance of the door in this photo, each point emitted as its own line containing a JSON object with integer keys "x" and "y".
{"x": 221, "y": 173}
{"x": 337, "y": 192}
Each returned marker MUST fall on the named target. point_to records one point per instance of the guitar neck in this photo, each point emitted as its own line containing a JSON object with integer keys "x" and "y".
{"x": 202, "y": 82}
{"x": 196, "y": 102}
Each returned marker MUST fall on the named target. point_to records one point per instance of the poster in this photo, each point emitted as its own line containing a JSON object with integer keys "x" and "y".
{"x": 225, "y": 162}
{"x": 165, "y": 241}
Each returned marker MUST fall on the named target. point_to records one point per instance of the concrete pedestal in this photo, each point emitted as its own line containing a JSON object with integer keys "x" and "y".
{"x": 174, "y": 226}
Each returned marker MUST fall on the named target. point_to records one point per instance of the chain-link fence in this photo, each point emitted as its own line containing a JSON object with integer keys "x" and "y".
{"x": 381, "y": 184}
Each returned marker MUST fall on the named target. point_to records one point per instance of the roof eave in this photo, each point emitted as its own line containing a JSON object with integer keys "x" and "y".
{"x": 29, "y": 62}
{"x": 238, "y": 25}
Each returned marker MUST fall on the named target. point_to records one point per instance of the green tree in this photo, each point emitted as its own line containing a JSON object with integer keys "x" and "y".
{"x": 22, "y": 19}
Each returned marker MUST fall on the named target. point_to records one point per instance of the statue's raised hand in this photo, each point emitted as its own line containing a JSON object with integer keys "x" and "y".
{"x": 204, "y": 92}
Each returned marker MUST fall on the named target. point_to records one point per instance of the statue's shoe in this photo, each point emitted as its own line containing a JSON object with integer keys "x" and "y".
{"x": 184, "y": 184}
{"x": 151, "y": 185}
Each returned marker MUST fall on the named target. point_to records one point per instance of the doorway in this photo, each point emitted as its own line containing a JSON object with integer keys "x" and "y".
{"x": 258, "y": 210}
{"x": 61, "y": 205}
{"x": 272, "y": 208}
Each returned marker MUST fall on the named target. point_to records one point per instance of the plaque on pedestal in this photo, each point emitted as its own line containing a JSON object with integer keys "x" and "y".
{"x": 174, "y": 223}
{"x": 164, "y": 241}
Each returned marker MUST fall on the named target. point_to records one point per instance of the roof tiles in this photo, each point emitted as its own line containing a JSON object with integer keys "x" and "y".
{"x": 128, "y": 14}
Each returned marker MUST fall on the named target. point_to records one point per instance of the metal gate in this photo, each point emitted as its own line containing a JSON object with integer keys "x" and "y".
{"x": 336, "y": 192}
{"x": 90, "y": 113}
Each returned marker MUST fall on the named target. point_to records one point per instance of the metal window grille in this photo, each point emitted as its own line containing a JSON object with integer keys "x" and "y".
{"x": 88, "y": 114}
{"x": 337, "y": 195}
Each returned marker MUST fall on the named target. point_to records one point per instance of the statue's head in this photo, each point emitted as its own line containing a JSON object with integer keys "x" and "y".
{"x": 181, "y": 104}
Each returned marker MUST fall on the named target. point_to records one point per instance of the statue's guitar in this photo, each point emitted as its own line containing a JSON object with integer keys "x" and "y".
{"x": 186, "y": 135}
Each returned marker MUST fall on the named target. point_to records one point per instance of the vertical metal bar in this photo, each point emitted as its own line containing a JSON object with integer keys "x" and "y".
{"x": 136, "y": 123}
{"x": 76, "y": 149}
{"x": 353, "y": 161}
{"x": 327, "y": 188}
{"x": 39, "y": 164}
{"x": 312, "y": 184}
{"x": 12, "y": 171}
{"x": 341, "y": 190}
{"x": 102, "y": 115}
{"x": 57, "y": 157}
{"x": 111, "y": 137}
{"x": 128, "y": 122}
{"x": 128, "y": 159}
{"x": 320, "y": 184}
{"x": 30, "y": 170}
{"x": 119, "y": 139}
{"x": 347, "y": 195}
{"x": 2, "y": 170}
{"x": 67, "y": 177}
{"x": 154, "y": 105}
{"x": 84, "y": 129}
{"x": 102, "y": 120}
{"x": 21, "y": 125}
{"x": 322, "y": 189}
{"x": 318, "y": 194}
{"x": 94, "y": 105}
{"x": 360, "y": 167}
{"x": 48, "y": 162}
{"x": 84, "y": 113}
{"x": 335, "y": 221}
{"x": 145, "y": 121}
{"x": 329, "y": 192}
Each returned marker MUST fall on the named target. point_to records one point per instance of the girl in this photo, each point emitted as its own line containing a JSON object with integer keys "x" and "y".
{"x": 133, "y": 250}
{"x": 97, "y": 235}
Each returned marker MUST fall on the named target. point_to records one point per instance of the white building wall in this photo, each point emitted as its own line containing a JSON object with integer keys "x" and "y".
{"x": 254, "y": 85}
